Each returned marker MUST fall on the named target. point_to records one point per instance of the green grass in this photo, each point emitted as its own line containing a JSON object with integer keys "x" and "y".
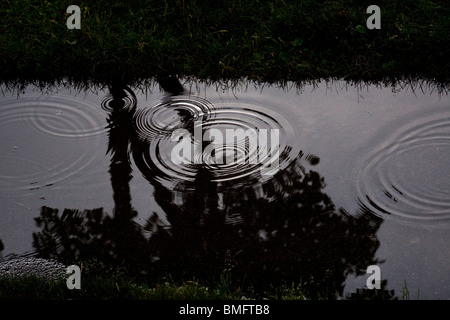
{"x": 271, "y": 41}
{"x": 106, "y": 288}
{"x": 101, "y": 288}
{"x": 102, "y": 282}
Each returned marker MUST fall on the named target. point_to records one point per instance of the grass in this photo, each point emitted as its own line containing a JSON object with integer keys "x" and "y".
{"x": 101, "y": 282}
{"x": 270, "y": 41}
{"x": 101, "y": 288}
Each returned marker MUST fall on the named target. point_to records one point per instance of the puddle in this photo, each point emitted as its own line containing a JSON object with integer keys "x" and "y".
{"x": 274, "y": 184}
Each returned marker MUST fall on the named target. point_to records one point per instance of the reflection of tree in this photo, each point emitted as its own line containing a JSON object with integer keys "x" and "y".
{"x": 91, "y": 233}
{"x": 286, "y": 229}
{"x": 293, "y": 232}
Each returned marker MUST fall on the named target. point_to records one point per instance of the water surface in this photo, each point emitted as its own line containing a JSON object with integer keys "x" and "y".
{"x": 361, "y": 179}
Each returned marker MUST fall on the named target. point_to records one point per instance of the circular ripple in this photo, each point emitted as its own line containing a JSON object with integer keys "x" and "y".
{"x": 44, "y": 139}
{"x": 65, "y": 116}
{"x": 55, "y": 115}
{"x": 174, "y": 113}
{"x": 233, "y": 141}
{"x": 408, "y": 175}
{"x": 126, "y": 101}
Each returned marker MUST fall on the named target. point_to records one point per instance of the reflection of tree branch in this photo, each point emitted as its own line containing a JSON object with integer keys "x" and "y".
{"x": 119, "y": 130}
{"x": 90, "y": 233}
{"x": 170, "y": 84}
{"x": 75, "y": 233}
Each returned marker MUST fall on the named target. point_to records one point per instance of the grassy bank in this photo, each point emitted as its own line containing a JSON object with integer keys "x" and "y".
{"x": 121, "y": 288}
{"x": 102, "y": 288}
{"x": 124, "y": 288}
{"x": 102, "y": 282}
{"x": 268, "y": 41}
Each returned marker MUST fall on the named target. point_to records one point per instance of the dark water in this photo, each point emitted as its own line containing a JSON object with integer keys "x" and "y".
{"x": 317, "y": 183}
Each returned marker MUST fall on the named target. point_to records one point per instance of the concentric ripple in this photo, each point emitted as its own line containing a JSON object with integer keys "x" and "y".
{"x": 233, "y": 141}
{"x": 45, "y": 139}
{"x": 407, "y": 176}
{"x": 55, "y": 116}
{"x": 170, "y": 114}
{"x": 65, "y": 117}
{"x": 126, "y": 101}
